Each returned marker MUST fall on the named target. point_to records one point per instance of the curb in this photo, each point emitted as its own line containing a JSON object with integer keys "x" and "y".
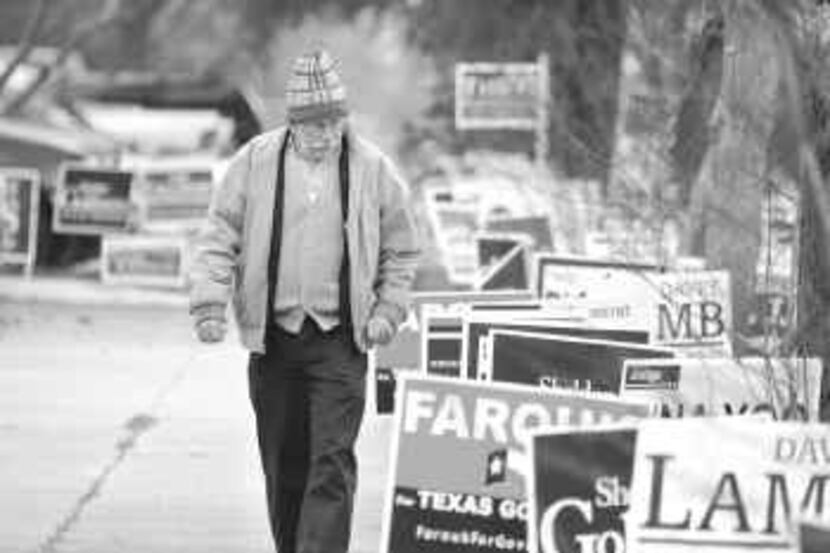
{"x": 85, "y": 292}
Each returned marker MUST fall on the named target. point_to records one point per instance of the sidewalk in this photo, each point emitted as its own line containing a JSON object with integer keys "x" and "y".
{"x": 119, "y": 433}
{"x": 65, "y": 289}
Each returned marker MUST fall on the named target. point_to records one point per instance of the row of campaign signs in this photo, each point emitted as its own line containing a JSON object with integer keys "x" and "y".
{"x": 592, "y": 415}
{"x": 502, "y": 467}
{"x": 143, "y": 213}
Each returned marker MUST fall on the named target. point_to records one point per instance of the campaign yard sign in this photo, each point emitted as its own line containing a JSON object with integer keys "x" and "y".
{"x": 144, "y": 260}
{"x": 498, "y": 95}
{"x": 174, "y": 197}
{"x": 477, "y": 327}
{"x": 559, "y": 361}
{"x": 19, "y": 200}
{"x": 813, "y": 538}
{"x": 461, "y": 456}
{"x": 492, "y": 247}
{"x": 579, "y": 489}
{"x": 568, "y": 279}
{"x": 509, "y": 273}
{"x": 694, "y": 312}
{"x": 537, "y": 228}
{"x": 604, "y": 291}
{"x": 441, "y": 340}
{"x": 786, "y": 389}
{"x": 726, "y": 484}
{"x": 95, "y": 200}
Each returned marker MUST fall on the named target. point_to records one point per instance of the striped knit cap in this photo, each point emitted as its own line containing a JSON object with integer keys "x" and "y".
{"x": 314, "y": 89}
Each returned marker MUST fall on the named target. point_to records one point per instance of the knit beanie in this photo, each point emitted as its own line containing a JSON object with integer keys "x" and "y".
{"x": 314, "y": 89}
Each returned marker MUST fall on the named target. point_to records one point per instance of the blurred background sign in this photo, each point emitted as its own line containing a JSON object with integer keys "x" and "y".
{"x": 19, "y": 192}
{"x": 497, "y": 95}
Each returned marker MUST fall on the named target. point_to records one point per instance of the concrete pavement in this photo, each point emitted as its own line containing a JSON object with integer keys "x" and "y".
{"x": 119, "y": 433}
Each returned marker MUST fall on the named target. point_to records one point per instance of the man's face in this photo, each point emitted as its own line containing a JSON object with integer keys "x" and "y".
{"x": 314, "y": 139}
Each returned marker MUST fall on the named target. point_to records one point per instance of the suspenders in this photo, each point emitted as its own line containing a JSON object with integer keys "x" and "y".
{"x": 345, "y": 310}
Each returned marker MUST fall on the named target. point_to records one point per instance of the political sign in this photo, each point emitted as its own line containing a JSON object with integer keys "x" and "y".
{"x": 19, "y": 201}
{"x": 694, "y": 312}
{"x": 606, "y": 292}
{"x": 95, "y": 200}
{"x": 558, "y": 361}
{"x": 461, "y": 456}
{"x": 509, "y": 273}
{"x": 441, "y": 351}
{"x": 443, "y": 354}
{"x": 569, "y": 279}
{"x": 537, "y": 229}
{"x": 776, "y": 265}
{"x": 579, "y": 489}
{"x": 726, "y": 484}
{"x": 476, "y": 327}
{"x": 813, "y": 538}
{"x": 454, "y": 228}
{"x": 385, "y": 384}
{"x": 174, "y": 197}
{"x": 471, "y": 297}
{"x": 491, "y": 247}
{"x": 498, "y": 95}
{"x": 784, "y": 388}
{"x": 407, "y": 350}
{"x": 772, "y": 309}
{"x": 144, "y": 260}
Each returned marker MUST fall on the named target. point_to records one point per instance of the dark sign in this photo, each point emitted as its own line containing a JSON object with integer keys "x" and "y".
{"x": 563, "y": 362}
{"x": 492, "y": 248}
{"x": 476, "y": 329}
{"x": 385, "y": 383}
{"x": 579, "y": 490}
{"x": 442, "y": 343}
{"x": 510, "y": 273}
{"x": 443, "y": 355}
{"x": 814, "y": 538}
{"x": 94, "y": 201}
{"x": 536, "y": 227}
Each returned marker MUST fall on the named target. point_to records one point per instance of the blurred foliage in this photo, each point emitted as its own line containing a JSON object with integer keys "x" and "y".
{"x": 583, "y": 38}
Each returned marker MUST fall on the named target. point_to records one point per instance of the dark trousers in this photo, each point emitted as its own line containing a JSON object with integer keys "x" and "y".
{"x": 308, "y": 393}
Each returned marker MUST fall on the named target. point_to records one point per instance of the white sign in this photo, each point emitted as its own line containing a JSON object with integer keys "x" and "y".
{"x": 694, "y": 312}
{"x": 726, "y": 484}
{"x": 498, "y": 95}
{"x": 174, "y": 197}
{"x": 785, "y": 388}
{"x": 144, "y": 260}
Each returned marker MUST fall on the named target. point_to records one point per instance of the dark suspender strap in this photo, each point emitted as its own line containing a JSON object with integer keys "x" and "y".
{"x": 344, "y": 280}
{"x": 276, "y": 237}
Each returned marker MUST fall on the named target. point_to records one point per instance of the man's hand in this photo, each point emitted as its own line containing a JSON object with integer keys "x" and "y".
{"x": 379, "y": 331}
{"x": 211, "y": 331}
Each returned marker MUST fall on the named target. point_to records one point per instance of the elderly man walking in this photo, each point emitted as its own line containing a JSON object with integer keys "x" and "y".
{"x": 311, "y": 237}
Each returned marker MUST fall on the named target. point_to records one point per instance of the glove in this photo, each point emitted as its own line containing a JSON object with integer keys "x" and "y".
{"x": 379, "y": 331}
{"x": 211, "y": 331}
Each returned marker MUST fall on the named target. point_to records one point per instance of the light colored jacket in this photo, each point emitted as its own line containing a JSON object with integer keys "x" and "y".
{"x": 231, "y": 261}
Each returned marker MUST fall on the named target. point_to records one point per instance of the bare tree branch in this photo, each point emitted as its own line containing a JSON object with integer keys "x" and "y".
{"x": 109, "y": 15}
{"x": 27, "y": 42}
